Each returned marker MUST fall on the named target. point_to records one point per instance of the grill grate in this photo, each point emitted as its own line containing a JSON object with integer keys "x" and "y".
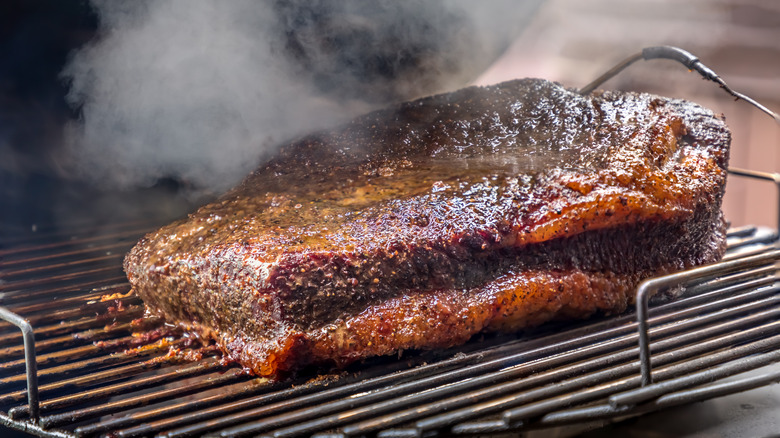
{"x": 104, "y": 370}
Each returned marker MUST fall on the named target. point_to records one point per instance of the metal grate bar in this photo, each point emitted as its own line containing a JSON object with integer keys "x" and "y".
{"x": 79, "y": 253}
{"x": 718, "y": 390}
{"x": 207, "y": 411}
{"x": 448, "y": 405}
{"x": 749, "y": 278}
{"x": 226, "y": 395}
{"x": 25, "y": 297}
{"x": 325, "y": 395}
{"x": 48, "y": 280}
{"x": 673, "y": 399}
{"x": 93, "y": 363}
{"x": 91, "y": 379}
{"x": 746, "y": 363}
{"x": 71, "y": 232}
{"x": 81, "y": 302}
{"x": 650, "y": 287}
{"x": 51, "y": 330}
{"x": 578, "y": 384}
{"x": 536, "y": 379}
{"x": 40, "y": 270}
{"x": 92, "y": 349}
{"x": 740, "y": 232}
{"x": 663, "y": 402}
{"x": 32, "y": 428}
{"x": 216, "y": 380}
{"x": 53, "y": 358}
{"x": 74, "y": 319}
{"x": 489, "y": 371}
{"x": 107, "y": 391}
{"x": 30, "y": 360}
{"x": 80, "y": 338}
{"x": 129, "y": 236}
{"x": 515, "y": 418}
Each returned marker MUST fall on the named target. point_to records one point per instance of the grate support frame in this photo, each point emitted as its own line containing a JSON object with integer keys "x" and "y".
{"x": 163, "y": 383}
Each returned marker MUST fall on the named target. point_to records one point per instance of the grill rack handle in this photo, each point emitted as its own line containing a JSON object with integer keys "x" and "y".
{"x": 650, "y": 287}
{"x": 30, "y": 360}
{"x": 766, "y": 176}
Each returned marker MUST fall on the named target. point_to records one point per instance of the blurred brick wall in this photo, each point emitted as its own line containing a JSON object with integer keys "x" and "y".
{"x": 573, "y": 42}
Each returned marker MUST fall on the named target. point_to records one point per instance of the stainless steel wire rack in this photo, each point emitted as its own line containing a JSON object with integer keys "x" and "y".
{"x": 79, "y": 359}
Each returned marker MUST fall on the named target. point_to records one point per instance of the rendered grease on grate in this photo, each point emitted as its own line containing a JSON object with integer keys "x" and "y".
{"x": 416, "y": 227}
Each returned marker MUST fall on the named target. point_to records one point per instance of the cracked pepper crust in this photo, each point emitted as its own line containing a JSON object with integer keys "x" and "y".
{"x": 490, "y": 208}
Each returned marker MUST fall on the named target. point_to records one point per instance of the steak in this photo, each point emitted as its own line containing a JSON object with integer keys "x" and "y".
{"x": 416, "y": 227}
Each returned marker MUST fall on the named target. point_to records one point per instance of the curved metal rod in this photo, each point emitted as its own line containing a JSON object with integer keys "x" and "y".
{"x": 683, "y": 57}
{"x": 31, "y": 363}
{"x": 766, "y": 176}
{"x": 650, "y": 287}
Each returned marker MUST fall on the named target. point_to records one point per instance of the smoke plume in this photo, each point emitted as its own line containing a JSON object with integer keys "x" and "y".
{"x": 203, "y": 91}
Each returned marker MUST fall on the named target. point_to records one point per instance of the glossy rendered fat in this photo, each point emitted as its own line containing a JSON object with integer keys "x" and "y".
{"x": 447, "y": 202}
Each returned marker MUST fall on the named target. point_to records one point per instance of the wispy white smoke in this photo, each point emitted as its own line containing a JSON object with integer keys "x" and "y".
{"x": 203, "y": 91}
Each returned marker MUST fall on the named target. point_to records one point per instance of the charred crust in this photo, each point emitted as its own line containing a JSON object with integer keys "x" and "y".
{"x": 426, "y": 203}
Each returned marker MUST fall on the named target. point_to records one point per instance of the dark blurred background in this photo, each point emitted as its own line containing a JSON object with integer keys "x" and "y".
{"x": 37, "y": 37}
{"x": 35, "y": 40}
{"x": 114, "y": 110}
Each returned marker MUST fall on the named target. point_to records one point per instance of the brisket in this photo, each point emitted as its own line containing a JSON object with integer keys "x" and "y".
{"x": 490, "y": 208}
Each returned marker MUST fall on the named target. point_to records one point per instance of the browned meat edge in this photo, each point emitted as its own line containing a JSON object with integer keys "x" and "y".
{"x": 261, "y": 273}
